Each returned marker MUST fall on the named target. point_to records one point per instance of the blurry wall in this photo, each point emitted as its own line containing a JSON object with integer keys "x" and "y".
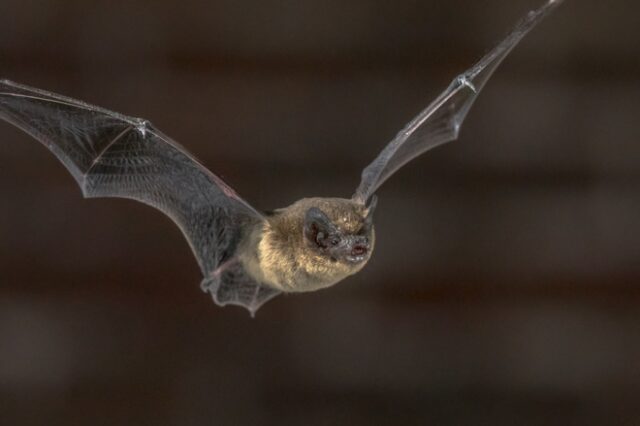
{"x": 506, "y": 282}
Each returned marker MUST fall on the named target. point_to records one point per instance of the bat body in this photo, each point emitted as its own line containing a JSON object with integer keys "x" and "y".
{"x": 246, "y": 257}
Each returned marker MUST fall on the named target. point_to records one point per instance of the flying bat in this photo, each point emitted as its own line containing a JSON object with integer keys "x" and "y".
{"x": 247, "y": 257}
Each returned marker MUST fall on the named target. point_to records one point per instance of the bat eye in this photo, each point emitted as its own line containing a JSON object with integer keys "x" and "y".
{"x": 334, "y": 241}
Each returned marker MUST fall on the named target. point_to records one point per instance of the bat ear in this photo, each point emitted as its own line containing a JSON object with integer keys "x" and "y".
{"x": 317, "y": 226}
{"x": 368, "y": 219}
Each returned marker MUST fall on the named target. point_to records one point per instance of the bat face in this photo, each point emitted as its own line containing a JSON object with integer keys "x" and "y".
{"x": 315, "y": 243}
{"x": 346, "y": 240}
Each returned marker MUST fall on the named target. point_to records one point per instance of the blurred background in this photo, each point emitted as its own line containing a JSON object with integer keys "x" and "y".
{"x": 505, "y": 287}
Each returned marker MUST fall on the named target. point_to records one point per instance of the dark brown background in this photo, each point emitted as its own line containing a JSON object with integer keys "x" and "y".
{"x": 505, "y": 288}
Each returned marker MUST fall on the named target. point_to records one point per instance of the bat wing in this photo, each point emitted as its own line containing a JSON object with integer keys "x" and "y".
{"x": 440, "y": 122}
{"x": 111, "y": 155}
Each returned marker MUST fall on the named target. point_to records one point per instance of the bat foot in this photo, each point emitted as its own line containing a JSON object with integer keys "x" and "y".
{"x": 231, "y": 285}
{"x": 206, "y": 284}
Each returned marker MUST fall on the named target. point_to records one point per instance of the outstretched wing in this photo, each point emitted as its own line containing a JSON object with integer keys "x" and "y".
{"x": 440, "y": 122}
{"x": 111, "y": 155}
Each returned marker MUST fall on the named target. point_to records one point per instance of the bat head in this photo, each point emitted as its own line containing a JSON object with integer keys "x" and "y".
{"x": 340, "y": 230}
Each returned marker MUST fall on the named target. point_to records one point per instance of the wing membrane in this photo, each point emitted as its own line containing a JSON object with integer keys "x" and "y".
{"x": 112, "y": 155}
{"x": 440, "y": 122}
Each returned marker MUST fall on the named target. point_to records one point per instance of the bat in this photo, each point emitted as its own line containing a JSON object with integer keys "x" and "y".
{"x": 247, "y": 257}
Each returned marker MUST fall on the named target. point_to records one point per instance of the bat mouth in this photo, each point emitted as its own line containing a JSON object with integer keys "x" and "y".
{"x": 358, "y": 253}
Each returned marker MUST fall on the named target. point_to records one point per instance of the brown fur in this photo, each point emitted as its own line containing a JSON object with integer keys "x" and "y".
{"x": 283, "y": 258}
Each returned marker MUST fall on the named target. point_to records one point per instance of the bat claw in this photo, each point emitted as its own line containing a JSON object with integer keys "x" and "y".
{"x": 464, "y": 81}
{"x": 141, "y": 126}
